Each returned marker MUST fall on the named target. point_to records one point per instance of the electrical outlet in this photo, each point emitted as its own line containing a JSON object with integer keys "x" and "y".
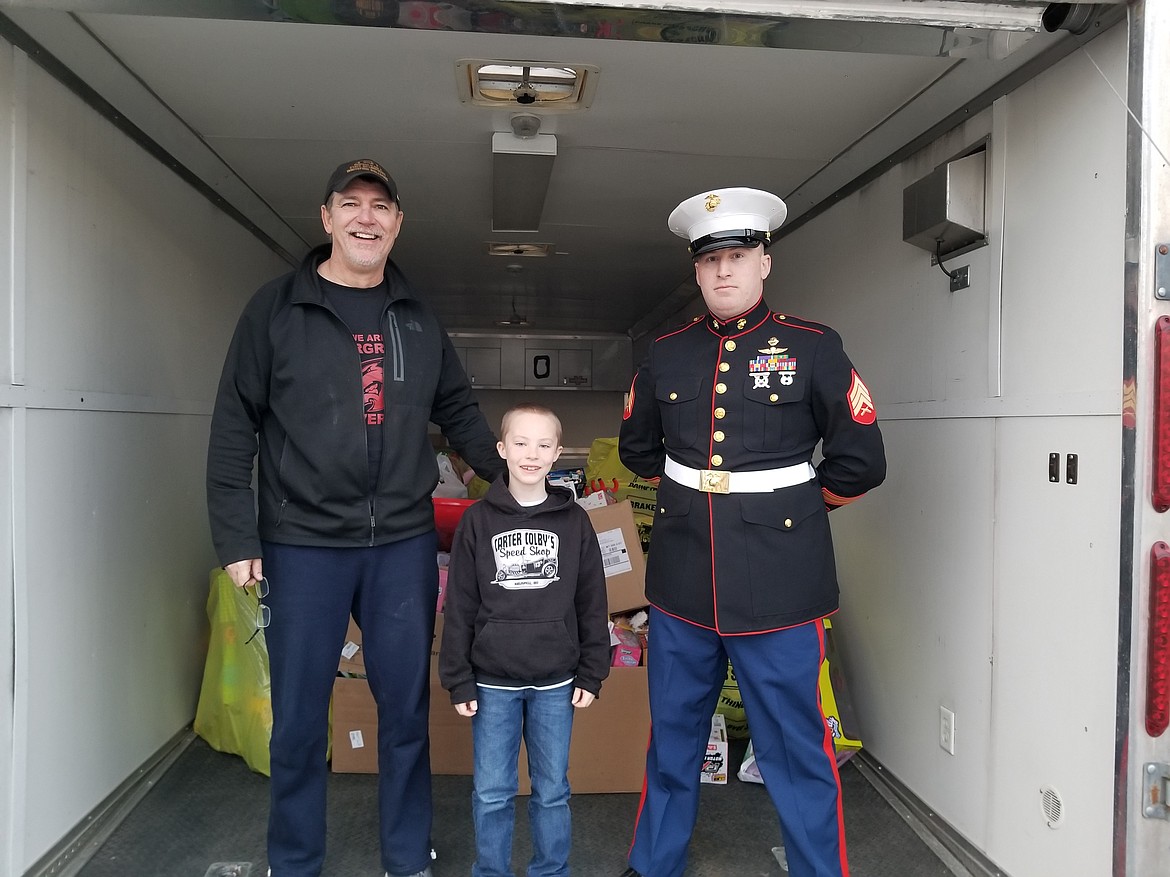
{"x": 946, "y": 729}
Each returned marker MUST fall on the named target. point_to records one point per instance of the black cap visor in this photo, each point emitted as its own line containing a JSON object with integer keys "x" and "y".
{"x": 344, "y": 182}
{"x": 737, "y": 237}
{"x": 366, "y": 168}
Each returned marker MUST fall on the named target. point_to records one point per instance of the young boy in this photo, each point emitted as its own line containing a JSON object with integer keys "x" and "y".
{"x": 525, "y": 640}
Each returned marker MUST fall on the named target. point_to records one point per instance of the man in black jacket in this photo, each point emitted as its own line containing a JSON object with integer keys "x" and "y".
{"x": 331, "y": 378}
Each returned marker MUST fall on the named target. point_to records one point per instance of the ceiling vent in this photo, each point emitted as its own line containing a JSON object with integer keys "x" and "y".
{"x": 527, "y": 85}
{"x": 519, "y": 250}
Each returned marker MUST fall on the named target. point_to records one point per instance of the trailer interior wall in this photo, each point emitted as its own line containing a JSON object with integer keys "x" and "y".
{"x": 123, "y": 291}
{"x": 970, "y": 581}
{"x": 584, "y": 414}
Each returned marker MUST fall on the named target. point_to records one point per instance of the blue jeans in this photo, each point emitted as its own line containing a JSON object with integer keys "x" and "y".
{"x": 545, "y": 718}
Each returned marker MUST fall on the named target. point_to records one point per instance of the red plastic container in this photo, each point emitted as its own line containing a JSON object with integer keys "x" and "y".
{"x": 447, "y": 514}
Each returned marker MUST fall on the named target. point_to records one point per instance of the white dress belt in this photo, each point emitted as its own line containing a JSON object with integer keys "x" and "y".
{"x": 719, "y": 481}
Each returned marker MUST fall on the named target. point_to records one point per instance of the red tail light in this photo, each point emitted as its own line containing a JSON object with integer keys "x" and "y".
{"x": 1158, "y": 662}
{"x": 1161, "y": 480}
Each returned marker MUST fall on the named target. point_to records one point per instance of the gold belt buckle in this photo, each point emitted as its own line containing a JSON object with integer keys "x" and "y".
{"x": 714, "y": 481}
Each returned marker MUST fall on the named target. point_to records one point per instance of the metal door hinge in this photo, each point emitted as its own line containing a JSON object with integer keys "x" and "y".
{"x": 1156, "y": 781}
{"x": 1162, "y": 272}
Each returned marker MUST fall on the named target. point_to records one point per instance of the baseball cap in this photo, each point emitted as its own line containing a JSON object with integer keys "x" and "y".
{"x": 348, "y": 171}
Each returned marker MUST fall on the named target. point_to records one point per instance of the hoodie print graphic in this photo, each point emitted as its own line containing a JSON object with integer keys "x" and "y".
{"x": 526, "y": 559}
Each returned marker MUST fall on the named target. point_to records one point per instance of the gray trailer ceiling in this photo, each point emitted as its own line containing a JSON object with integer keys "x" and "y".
{"x": 256, "y": 101}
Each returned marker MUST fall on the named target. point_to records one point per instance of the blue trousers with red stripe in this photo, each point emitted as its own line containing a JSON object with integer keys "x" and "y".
{"x": 778, "y": 674}
{"x": 391, "y": 591}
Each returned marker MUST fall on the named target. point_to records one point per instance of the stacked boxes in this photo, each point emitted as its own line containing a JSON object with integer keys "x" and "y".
{"x": 608, "y": 750}
{"x": 355, "y": 716}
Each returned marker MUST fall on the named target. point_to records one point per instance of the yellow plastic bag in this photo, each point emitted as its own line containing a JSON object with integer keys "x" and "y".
{"x": 235, "y": 703}
{"x": 604, "y": 471}
{"x": 730, "y": 706}
{"x": 835, "y": 704}
{"x": 835, "y": 701}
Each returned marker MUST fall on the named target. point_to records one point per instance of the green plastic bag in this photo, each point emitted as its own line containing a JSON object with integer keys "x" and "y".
{"x": 235, "y": 702}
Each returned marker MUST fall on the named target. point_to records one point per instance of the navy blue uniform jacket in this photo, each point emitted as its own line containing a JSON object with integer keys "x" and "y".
{"x": 759, "y": 391}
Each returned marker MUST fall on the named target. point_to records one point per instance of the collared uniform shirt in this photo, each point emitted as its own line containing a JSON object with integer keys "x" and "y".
{"x": 759, "y": 391}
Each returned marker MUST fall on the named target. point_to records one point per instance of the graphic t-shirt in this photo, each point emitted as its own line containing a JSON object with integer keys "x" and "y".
{"x": 361, "y": 310}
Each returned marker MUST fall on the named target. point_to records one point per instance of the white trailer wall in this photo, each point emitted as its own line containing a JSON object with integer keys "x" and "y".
{"x": 121, "y": 288}
{"x": 969, "y": 580}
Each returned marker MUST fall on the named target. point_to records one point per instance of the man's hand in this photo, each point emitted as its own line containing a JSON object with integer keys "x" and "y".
{"x": 581, "y": 698}
{"x": 468, "y": 709}
{"x": 244, "y": 572}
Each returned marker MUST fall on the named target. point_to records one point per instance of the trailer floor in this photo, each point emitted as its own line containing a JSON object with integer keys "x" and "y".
{"x": 209, "y": 809}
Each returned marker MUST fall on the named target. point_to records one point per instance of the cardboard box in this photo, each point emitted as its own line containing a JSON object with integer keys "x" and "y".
{"x": 608, "y": 749}
{"x": 353, "y": 659}
{"x": 595, "y": 500}
{"x": 355, "y": 723}
{"x": 715, "y": 759}
{"x": 607, "y": 752}
{"x": 621, "y": 552}
{"x": 355, "y": 727}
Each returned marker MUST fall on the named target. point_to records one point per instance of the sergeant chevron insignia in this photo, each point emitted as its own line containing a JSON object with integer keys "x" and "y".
{"x": 861, "y": 402}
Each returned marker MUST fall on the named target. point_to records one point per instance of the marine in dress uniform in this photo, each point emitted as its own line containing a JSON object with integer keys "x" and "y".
{"x": 729, "y": 410}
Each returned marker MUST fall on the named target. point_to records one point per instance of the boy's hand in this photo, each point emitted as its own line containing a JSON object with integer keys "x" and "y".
{"x": 468, "y": 709}
{"x": 581, "y": 698}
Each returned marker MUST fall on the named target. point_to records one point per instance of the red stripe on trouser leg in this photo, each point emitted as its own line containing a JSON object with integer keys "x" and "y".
{"x": 779, "y": 675}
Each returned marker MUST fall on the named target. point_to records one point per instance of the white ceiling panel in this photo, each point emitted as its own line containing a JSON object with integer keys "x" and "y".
{"x": 261, "y": 111}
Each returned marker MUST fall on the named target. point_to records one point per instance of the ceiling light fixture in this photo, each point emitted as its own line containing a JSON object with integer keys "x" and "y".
{"x": 525, "y": 125}
{"x": 521, "y": 170}
{"x": 515, "y": 319}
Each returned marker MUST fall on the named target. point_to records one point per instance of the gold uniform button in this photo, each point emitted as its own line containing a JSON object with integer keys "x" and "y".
{"x": 773, "y": 398}
{"x": 720, "y": 413}
{"x": 716, "y": 460}
{"x": 730, "y": 345}
{"x": 788, "y": 522}
{"x": 723, "y": 366}
{"x": 673, "y": 396}
{"x": 719, "y": 436}
{"x": 721, "y": 388}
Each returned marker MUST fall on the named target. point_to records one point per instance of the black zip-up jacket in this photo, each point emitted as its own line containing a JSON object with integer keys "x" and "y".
{"x": 291, "y": 397}
{"x": 526, "y": 602}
